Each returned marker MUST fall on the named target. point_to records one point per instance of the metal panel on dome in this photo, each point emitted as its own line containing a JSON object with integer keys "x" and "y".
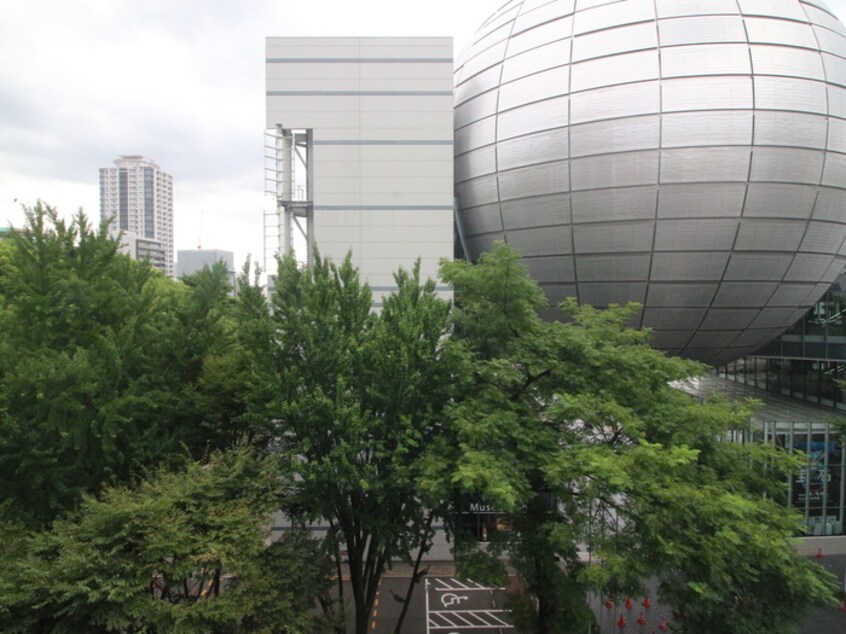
{"x": 824, "y": 18}
{"x": 620, "y": 69}
{"x": 672, "y": 338}
{"x": 830, "y": 204}
{"x": 714, "y": 338}
{"x": 475, "y": 109}
{"x": 675, "y": 8}
{"x": 619, "y": 135}
{"x": 773, "y": 127}
{"x": 474, "y": 135}
{"x": 484, "y": 219}
{"x": 681, "y": 295}
{"x": 707, "y": 93}
{"x": 777, "y": 200}
{"x": 716, "y": 127}
{"x": 541, "y": 147}
{"x": 770, "y": 235}
{"x": 614, "y": 170}
{"x": 780, "y": 32}
{"x": 479, "y": 191}
{"x": 543, "y": 241}
{"x": 742, "y": 294}
{"x": 791, "y": 62}
{"x": 701, "y": 30}
{"x": 539, "y": 36}
{"x": 672, "y": 318}
{"x": 550, "y": 269}
{"x": 728, "y": 318}
{"x": 475, "y": 163}
{"x": 690, "y": 165}
{"x": 617, "y": 267}
{"x": 808, "y": 266}
{"x": 791, "y": 295}
{"x": 477, "y": 84}
{"x": 527, "y": 63}
{"x": 693, "y": 267}
{"x": 616, "y": 101}
{"x": 788, "y": 9}
{"x": 786, "y": 165}
{"x": 608, "y": 16}
{"x": 757, "y": 266}
{"x": 625, "y": 39}
{"x": 598, "y": 205}
{"x": 823, "y": 237}
{"x": 602, "y": 293}
{"x": 536, "y": 180}
{"x": 830, "y": 41}
{"x": 784, "y": 93}
{"x": 543, "y": 14}
{"x": 538, "y": 211}
{"x": 836, "y": 135}
{"x": 774, "y": 318}
{"x": 748, "y": 139}
{"x": 700, "y": 234}
{"x": 543, "y": 85}
{"x": 613, "y": 237}
{"x": 535, "y": 117}
{"x": 834, "y": 172}
{"x": 705, "y": 59}
{"x": 700, "y": 200}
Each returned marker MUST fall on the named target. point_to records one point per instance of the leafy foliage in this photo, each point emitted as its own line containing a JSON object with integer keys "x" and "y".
{"x": 183, "y": 552}
{"x": 106, "y": 366}
{"x": 359, "y": 398}
{"x": 585, "y": 413}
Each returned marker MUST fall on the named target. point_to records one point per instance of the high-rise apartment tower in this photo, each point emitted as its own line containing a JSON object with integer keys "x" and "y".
{"x": 137, "y": 198}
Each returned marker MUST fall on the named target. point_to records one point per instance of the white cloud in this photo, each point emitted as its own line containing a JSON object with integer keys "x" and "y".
{"x": 181, "y": 81}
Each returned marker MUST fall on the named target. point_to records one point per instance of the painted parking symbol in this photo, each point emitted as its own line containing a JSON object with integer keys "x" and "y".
{"x": 449, "y": 599}
{"x": 456, "y": 606}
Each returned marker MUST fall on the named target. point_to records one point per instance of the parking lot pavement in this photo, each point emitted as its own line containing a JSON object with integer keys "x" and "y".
{"x": 446, "y": 605}
{"x": 442, "y": 605}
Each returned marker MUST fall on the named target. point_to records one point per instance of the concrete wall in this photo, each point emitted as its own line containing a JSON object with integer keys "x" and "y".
{"x": 382, "y": 167}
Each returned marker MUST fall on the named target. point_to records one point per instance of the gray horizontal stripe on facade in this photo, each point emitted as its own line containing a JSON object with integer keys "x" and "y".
{"x": 392, "y": 142}
{"x": 359, "y": 93}
{"x": 383, "y": 207}
{"x": 359, "y": 60}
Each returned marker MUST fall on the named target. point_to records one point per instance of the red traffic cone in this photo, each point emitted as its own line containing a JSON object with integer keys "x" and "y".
{"x": 663, "y": 627}
{"x": 621, "y": 622}
{"x": 819, "y": 554}
{"x": 609, "y": 603}
{"x": 641, "y": 620}
{"x": 647, "y": 603}
{"x": 628, "y": 603}
{"x": 842, "y": 606}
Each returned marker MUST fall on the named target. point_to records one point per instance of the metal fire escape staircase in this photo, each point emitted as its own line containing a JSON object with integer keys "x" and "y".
{"x": 288, "y": 178}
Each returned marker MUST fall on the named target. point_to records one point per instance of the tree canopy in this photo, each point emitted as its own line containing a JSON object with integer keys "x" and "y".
{"x": 578, "y": 433}
{"x": 149, "y": 427}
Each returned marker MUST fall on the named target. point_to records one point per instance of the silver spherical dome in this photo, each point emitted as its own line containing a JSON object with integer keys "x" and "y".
{"x": 689, "y": 155}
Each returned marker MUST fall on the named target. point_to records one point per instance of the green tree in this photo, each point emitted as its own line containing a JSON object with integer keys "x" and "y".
{"x": 358, "y": 398}
{"x": 182, "y": 552}
{"x": 576, "y": 432}
{"x": 105, "y": 366}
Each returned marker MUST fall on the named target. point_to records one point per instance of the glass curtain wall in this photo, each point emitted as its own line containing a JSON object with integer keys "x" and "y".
{"x": 817, "y": 490}
{"x": 807, "y": 362}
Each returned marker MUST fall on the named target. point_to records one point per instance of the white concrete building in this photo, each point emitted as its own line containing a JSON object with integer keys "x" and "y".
{"x": 361, "y": 135}
{"x": 137, "y": 198}
{"x": 191, "y": 261}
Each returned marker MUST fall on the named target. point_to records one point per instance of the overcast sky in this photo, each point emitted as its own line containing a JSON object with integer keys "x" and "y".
{"x": 180, "y": 81}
